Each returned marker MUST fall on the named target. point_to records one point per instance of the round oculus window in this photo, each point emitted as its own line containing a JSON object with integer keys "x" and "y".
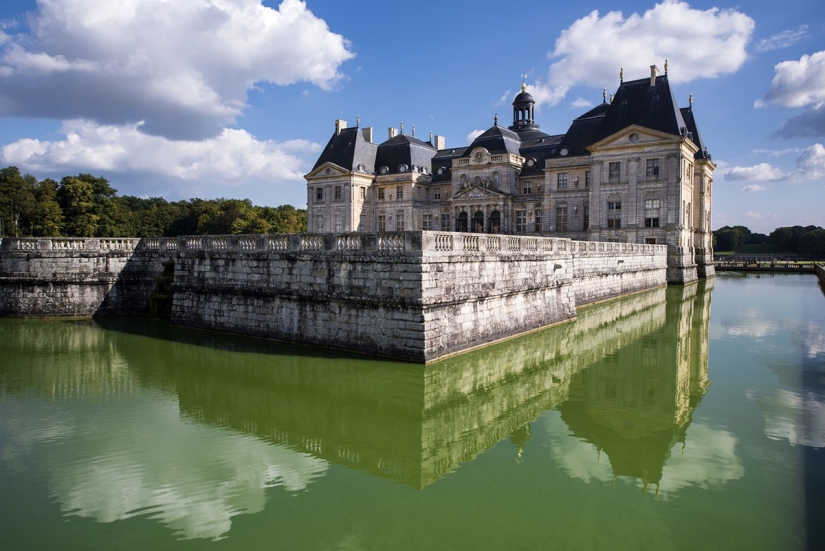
{"x": 564, "y": 151}
{"x": 633, "y": 138}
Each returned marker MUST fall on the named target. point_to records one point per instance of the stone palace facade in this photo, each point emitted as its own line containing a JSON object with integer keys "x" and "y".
{"x": 631, "y": 170}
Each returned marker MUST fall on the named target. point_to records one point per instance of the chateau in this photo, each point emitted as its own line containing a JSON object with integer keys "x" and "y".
{"x": 631, "y": 170}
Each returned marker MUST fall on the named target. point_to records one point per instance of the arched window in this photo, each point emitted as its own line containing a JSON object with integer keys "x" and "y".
{"x": 478, "y": 222}
{"x": 461, "y": 222}
{"x": 495, "y": 222}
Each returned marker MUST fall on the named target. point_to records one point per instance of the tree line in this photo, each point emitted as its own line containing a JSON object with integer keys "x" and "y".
{"x": 804, "y": 240}
{"x": 88, "y": 206}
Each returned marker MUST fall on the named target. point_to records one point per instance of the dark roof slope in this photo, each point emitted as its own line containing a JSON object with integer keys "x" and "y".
{"x": 404, "y": 150}
{"x": 496, "y": 140}
{"x": 637, "y": 102}
{"x": 348, "y": 150}
{"x": 690, "y": 121}
{"x": 443, "y": 161}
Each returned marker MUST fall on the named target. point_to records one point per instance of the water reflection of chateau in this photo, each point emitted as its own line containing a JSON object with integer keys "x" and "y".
{"x": 626, "y": 372}
{"x": 625, "y": 379}
{"x": 635, "y": 405}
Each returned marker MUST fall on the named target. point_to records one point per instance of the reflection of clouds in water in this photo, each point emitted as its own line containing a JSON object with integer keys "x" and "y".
{"x": 708, "y": 459}
{"x": 812, "y": 339}
{"x": 750, "y": 325}
{"x": 149, "y": 461}
{"x": 797, "y": 418}
{"x": 576, "y": 457}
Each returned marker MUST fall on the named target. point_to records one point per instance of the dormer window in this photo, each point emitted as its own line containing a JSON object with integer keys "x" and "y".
{"x": 528, "y": 188}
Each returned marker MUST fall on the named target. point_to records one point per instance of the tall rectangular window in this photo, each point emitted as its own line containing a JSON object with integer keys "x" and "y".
{"x": 319, "y": 194}
{"x": 361, "y": 221}
{"x": 399, "y": 220}
{"x": 561, "y": 181}
{"x": 587, "y": 179}
{"x": 319, "y": 223}
{"x": 337, "y": 193}
{"x": 380, "y": 194}
{"x": 445, "y": 221}
{"x": 614, "y": 172}
{"x": 538, "y": 219}
{"x": 561, "y": 218}
{"x": 339, "y": 223}
{"x": 399, "y": 193}
{"x": 527, "y": 187}
{"x": 614, "y": 214}
{"x": 652, "y": 213}
{"x": 521, "y": 221}
{"x": 426, "y": 221}
{"x": 437, "y": 194}
{"x": 586, "y": 222}
{"x": 363, "y": 193}
{"x": 652, "y": 169}
{"x": 382, "y": 223}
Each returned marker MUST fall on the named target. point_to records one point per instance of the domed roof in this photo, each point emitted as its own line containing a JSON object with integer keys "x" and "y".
{"x": 524, "y": 97}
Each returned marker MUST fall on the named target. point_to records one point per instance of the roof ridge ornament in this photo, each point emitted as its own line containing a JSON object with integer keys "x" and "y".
{"x": 523, "y": 82}
{"x": 666, "y": 64}
{"x": 690, "y": 101}
{"x": 621, "y": 75}
{"x": 604, "y": 95}
{"x": 495, "y": 120}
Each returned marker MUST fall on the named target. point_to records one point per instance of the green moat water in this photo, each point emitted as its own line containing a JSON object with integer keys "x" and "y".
{"x": 681, "y": 418}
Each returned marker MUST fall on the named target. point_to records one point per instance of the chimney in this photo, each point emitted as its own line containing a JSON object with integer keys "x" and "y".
{"x": 340, "y": 124}
{"x": 367, "y": 133}
{"x": 440, "y": 142}
{"x": 391, "y": 132}
{"x": 653, "y": 72}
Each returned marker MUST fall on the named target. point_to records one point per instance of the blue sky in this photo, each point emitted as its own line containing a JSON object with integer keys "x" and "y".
{"x": 235, "y": 98}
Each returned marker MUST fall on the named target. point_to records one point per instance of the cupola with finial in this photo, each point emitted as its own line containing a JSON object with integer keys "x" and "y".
{"x": 523, "y": 107}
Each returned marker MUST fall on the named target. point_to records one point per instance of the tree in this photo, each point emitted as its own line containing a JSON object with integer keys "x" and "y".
{"x": 47, "y": 218}
{"x": 77, "y": 201}
{"x": 16, "y": 200}
{"x": 812, "y": 243}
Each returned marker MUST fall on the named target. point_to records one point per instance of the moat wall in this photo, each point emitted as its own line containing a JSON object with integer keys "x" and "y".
{"x": 413, "y": 295}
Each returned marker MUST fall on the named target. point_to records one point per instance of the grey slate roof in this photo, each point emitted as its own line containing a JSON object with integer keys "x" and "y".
{"x": 637, "y": 102}
{"x": 498, "y": 139}
{"x": 442, "y": 162}
{"x": 690, "y": 121}
{"x": 349, "y": 150}
{"x": 404, "y": 150}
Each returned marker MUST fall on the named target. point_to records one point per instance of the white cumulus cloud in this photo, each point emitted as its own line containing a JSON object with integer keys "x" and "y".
{"x": 754, "y": 188}
{"x": 798, "y": 83}
{"x": 182, "y": 67}
{"x": 233, "y": 157}
{"x": 810, "y": 165}
{"x": 593, "y": 48}
{"x": 759, "y": 173}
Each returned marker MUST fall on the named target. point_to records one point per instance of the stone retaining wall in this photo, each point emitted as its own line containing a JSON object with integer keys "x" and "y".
{"x": 76, "y": 277}
{"x": 819, "y": 269}
{"x": 413, "y": 295}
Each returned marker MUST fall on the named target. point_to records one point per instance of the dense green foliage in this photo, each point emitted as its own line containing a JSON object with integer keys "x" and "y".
{"x": 88, "y": 206}
{"x": 807, "y": 240}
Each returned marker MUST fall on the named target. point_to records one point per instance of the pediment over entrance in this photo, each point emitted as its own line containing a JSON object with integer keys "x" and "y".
{"x": 474, "y": 193}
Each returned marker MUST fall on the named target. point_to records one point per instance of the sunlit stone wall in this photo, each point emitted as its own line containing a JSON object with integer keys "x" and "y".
{"x": 413, "y": 295}
{"x": 76, "y": 277}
